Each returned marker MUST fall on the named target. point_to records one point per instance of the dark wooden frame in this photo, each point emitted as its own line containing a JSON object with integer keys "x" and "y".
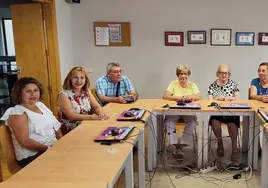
{"x": 190, "y": 33}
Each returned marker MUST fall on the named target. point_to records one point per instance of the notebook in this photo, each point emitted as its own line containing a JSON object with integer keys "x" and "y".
{"x": 137, "y": 115}
{"x": 235, "y": 106}
{"x": 106, "y": 135}
{"x": 264, "y": 115}
{"x": 193, "y": 106}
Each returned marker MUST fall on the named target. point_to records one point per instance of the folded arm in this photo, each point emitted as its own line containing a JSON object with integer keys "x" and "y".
{"x": 96, "y": 107}
{"x": 253, "y": 95}
{"x": 66, "y": 107}
{"x": 106, "y": 99}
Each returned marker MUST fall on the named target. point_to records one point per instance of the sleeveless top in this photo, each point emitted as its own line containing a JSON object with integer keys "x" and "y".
{"x": 80, "y": 105}
{"x": 41, "y": 128}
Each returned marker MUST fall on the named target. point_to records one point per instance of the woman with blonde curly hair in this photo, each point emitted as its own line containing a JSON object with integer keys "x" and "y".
{"x": 181, "y": 90}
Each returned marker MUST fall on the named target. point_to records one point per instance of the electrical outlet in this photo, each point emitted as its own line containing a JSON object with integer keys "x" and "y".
{"x": 207, "y": 169}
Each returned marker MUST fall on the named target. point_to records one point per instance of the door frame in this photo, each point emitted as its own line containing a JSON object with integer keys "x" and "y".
{"x": 53, "y": 50}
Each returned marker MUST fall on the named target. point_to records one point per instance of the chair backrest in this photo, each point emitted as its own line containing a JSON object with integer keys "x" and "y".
{"x": 249, "y": 93}
{"x": 8, "y": 150}
{"x": 93, "y": 91}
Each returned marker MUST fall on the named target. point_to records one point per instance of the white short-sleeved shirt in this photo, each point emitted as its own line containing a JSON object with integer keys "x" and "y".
{"x": 41, "y": 127}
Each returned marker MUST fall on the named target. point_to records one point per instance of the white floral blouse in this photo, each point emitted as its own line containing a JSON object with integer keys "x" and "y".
{"x": 80, "y": 104}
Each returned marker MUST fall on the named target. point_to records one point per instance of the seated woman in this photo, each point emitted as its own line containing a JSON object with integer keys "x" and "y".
{"x": 33, "y": 127}
{"x": 181, "y": 90}
{"x": 259, "y": 86}
{"x": 224, "y": 89}
{"x": 76, "y": 100}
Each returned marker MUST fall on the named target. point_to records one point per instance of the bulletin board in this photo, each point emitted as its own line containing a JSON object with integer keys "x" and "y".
{"x": 112, "y": 34}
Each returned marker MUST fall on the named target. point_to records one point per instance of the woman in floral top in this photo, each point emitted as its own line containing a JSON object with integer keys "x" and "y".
{"x": 76, "y": 100}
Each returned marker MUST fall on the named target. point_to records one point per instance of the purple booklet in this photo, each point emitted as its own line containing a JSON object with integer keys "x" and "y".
{"x": 106, "y": 135}
{"x": 131, "y": 115}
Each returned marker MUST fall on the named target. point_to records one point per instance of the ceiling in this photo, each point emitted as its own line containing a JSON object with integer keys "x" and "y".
{"x": 7, "y": 3}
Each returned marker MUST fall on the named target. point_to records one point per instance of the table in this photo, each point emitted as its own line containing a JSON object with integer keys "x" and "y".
{"x": 77, "y": 161}
{"x": 153, "y": 134}
{"x": 250, "y": 127}
{"x": 264, "y": 163}
{"x": 77, "y": 158}
{"x": 148, "y": 104}
{"x": 264, "y": 160}
{"x": 203, "y": 115}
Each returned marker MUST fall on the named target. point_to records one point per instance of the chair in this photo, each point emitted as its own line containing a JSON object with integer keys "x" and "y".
{"x": 8, "y": 150}
{"x": 94, "y": 93}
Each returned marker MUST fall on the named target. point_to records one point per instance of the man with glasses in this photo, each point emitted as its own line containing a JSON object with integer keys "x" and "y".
{"x": 114, "y": 87}
{"x": 259, "y": 86}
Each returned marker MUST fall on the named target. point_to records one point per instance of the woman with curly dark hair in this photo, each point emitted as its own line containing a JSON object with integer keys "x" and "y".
{"x": 33, "y": 127}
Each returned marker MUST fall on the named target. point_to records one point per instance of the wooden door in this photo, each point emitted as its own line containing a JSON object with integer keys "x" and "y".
{"x": 31, "y": 45}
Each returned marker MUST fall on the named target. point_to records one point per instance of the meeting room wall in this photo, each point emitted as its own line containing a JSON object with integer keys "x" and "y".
{"x": 148, "y": 62}
{"x": 63, "y": 18}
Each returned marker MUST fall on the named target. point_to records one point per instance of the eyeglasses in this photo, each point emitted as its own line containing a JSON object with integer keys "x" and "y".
{"x": 224, "y": 73}
{"x": 183, "y": 73}
{"x": 117, "y": 71}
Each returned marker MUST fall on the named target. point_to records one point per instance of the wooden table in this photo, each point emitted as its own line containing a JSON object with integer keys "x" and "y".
{"x": 77, "y": 161}
{"x": 154, "y": 135}
{"x": 264, "y": 160}
{"x": 203, "y": 117}
{"x": 114, "y": 110}
{"x": 249, "y": 127}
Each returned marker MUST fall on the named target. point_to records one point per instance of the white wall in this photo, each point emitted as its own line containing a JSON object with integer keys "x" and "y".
{"x": 4, "y": 13}
{"x": 148, "y": 62}
{"x": 63, "y": 16}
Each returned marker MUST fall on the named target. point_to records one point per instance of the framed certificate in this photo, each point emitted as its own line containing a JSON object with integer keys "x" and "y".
{"x": 245, "y": 38}
{"x": 196, "y": 37}
{"x": 173, "y": 38}
{"x": 221, "y": 37}
{"x": 263, "y": 38}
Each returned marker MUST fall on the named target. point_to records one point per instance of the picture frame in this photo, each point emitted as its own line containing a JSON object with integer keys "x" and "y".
{"x": 263, "y": 38}
{"x": 173, "y": 38}
{"x": 244, "y": 38}
{"x": 197, "y": 37}
{"x": 221, "y": 37}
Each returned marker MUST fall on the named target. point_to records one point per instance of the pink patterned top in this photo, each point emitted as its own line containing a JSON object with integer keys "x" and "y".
{"x": 80, "y": 104}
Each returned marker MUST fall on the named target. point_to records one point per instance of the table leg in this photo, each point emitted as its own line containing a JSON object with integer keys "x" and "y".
{"x": 205, "y": 138}
{"x": 152, "y": 143}
{"x": 250, "y": 140}
{"x": 141, "y": 156}
{"x": 264, "y": 163}
{"x": 256, "y": 143}
{"x": 245, "y": 133}
{"x": 129, "y": 174}
{"x": 200, "y": 140}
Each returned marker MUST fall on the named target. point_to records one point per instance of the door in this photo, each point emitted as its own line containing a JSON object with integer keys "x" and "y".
{"x": 31, "y": 45}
